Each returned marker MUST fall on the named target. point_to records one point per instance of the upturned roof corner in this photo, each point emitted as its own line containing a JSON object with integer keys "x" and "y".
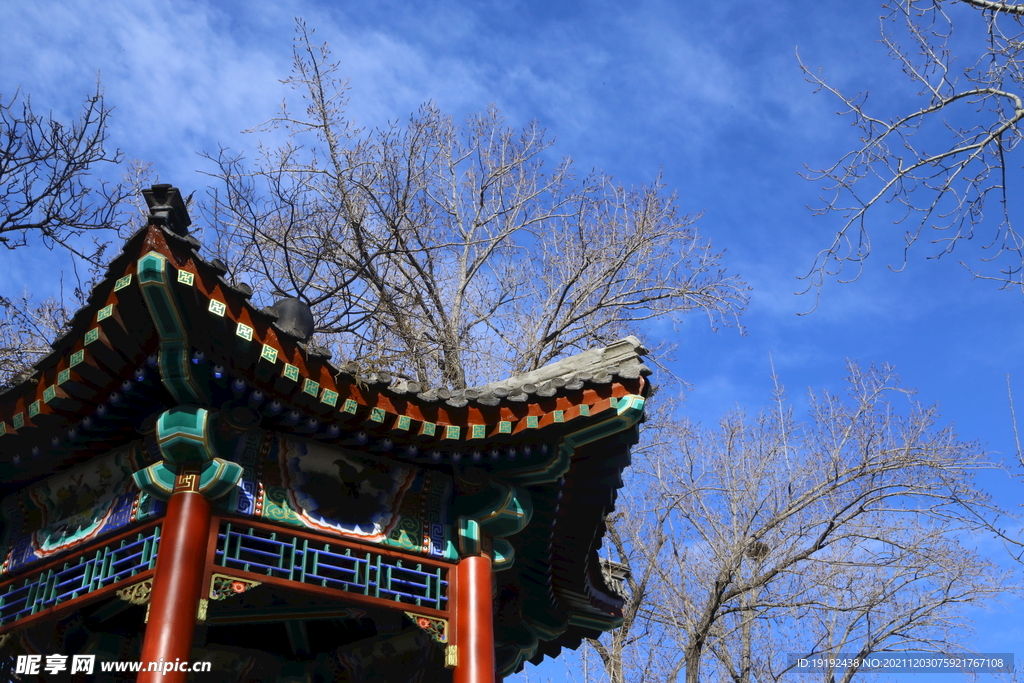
{"x": 165, "y": 330}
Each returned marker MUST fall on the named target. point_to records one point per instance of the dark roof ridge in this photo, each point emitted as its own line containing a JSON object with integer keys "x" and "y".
{"x": 607, "y": 359}
{"x": 623, "y": 357}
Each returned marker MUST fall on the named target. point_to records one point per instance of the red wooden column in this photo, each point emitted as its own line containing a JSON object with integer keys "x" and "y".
{"x": 474, "y": 621}
{"x": 177, "y": 582}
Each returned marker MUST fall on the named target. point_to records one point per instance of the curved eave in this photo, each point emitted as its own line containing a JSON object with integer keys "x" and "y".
{"x": 114, "y": 336}
{"x": 565, "y": 595}
{"x": 247, "y": 341}
{"x": 107, "y": 340}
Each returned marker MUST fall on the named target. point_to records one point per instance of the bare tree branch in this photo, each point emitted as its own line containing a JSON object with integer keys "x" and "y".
{"x": 27, "y": 328}
{"x": 46, "y": 188}
{"x": 452, "y": 253}
{"x": 764, "y": 536}
{"x": 945, "y": 161}
{"x": 996, "y": 6}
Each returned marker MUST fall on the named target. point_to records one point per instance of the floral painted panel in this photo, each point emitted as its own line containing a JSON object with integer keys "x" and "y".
{"x": 74, "y": 507}
{"x": 345, "y": 492}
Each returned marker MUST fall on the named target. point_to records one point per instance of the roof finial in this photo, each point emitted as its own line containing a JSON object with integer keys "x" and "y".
{"x": 166, "y": 207}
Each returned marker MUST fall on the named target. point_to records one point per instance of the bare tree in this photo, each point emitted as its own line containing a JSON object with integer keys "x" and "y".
{"x": 763, "y": 537}
{"x": 48, "y": 192}
{"x": 26, "y": 329}
{"x": 449, "y": 252}
{"x": 945, "y": 159}
{"x": 46, "y": 185}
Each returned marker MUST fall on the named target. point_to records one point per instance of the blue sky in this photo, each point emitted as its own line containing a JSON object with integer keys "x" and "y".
{"x": 708, "y": 93}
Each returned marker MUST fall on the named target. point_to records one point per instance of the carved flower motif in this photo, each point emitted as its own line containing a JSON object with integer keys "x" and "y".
{"x": 238, "y": 586}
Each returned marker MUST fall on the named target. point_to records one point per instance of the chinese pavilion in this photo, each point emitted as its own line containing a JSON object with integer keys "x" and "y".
{"x": 186, "y": 478}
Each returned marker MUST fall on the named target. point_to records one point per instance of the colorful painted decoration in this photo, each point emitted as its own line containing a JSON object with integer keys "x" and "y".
{"x": 223, "y": 586}
{"x": 347, "y": 493}
{"x": 137, "y": 594}
{"x": 386, "y": 523}
{"x": 73, "y": 508}
{"x": 436, "y": 628}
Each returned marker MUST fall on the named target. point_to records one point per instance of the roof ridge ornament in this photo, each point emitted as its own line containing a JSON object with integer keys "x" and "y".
{"x": 166, "y": 207}
{"x": 295, "y": 318}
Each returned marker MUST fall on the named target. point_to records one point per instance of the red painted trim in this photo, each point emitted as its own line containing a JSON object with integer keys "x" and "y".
{"x": 206, "y": 286}
{"x": 240, "y": 311}
{"x": 474, "y": 622}
{"x": 180, "y": 566}
{"x": 211, "y": 554}
{"x": 341, "y": 596}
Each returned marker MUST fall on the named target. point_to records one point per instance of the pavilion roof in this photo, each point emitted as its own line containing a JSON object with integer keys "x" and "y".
{"x": 103, "y": 384}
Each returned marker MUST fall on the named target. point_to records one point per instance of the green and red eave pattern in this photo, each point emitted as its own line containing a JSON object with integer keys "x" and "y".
{"x": 161, "y": 305}
{"x": 120, "y": 334}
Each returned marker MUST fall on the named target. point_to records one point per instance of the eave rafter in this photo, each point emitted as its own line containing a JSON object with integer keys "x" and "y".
{"x": 121, "y": 338}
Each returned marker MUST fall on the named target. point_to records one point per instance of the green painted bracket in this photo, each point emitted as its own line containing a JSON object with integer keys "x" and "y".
{"x": 504, "y": 554}
{"x": 217, "y": 478}
{"x": 536, "y": 628}
{"x": 499, "y": 510}
{"x": 628, "y": 412}
{"x": 170, "y": 325}
{"x": 183, "y": 436}
{"x": 539, "y": 625}
{"x": 157, "y": 480}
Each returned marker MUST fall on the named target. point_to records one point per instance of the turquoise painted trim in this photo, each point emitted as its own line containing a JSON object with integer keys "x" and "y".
{"x": 500, "y": 511}
{"x": 219, "y": 477}
{"x": 183, "y": 435}
{"x": 628, "y": 412}
{"x": 469, "y": 537}
{"x": 509, "y": 515}
{"x": 157, "y": 480}
{"x": 504, "y": 554}
{"x": 175, "y": 372}
{"x": 163, "y": 309}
